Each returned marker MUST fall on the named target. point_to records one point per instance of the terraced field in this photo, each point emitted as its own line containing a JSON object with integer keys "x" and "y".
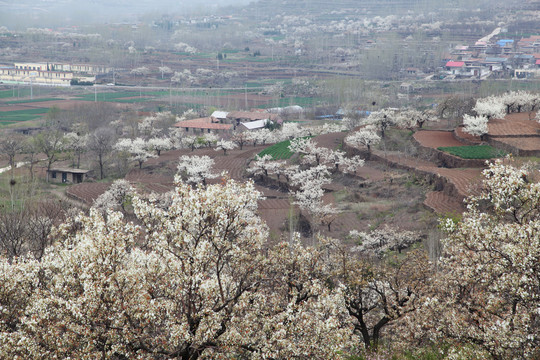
{"x": 435, "y": 139}
{"x": 443, "y": 204}
{"x": 87, "y": 192}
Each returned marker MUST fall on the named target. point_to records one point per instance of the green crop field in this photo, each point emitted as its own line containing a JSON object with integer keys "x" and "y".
{"x": 31, "y": 101}
{"x": 474, "y": 152}
{"x": 11, "y": 117}
{"x": 14, "y": 93}
{"x": 109, "y": 96}
{"x": 278, "y": 151}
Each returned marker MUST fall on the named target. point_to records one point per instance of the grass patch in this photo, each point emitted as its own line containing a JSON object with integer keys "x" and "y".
{"x": 474, "y": 151}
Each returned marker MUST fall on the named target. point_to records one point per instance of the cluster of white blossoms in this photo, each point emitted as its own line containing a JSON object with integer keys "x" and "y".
{"x": 197, "y": 278}
{"x": 475, "y": 125}
{"x": 488, "y": 289}
{"x": 193, "y": 279}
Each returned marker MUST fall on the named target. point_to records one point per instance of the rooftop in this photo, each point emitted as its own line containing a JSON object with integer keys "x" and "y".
{"x": 203, "y": 123}
{"x": 455, "y": 64}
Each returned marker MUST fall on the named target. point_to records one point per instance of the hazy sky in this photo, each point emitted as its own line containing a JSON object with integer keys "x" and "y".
{"x": 19, "y": 14}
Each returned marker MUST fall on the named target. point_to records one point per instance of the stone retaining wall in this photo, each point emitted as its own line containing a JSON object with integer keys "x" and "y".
{"x": 446, "y": 160}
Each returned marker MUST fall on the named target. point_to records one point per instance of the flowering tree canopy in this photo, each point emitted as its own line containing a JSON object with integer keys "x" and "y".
{"x": 138, "y": 149}
{"x": 196, "y": 169}
{"x": 490, "y": 107}
{"x": 488, "y": 291}
{"x": 200, "y": 287}
{"x": 475, "y": 125}
{"x": 364, "y": 137}
{"x": 225, "y": 145}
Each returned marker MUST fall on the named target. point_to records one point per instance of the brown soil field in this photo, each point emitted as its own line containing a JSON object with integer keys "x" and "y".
{"x": 513, "y": 125}
{"x": 435, "y": 139}
{"x": 87, "y": 192}
{"x": 443, "y": 204}
{"x": 524, "y": 143}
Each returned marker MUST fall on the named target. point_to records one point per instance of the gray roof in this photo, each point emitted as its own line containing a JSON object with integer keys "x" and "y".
{"x": 70, "y": 170}
{"x": 496, "y": 59}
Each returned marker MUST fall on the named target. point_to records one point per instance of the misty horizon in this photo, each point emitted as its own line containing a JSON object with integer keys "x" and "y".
{"x": 20, "y": 14}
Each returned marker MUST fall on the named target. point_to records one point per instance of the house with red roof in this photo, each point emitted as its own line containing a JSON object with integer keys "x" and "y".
{"x": 456, "y": 67}
{"x": 204, "y": 125}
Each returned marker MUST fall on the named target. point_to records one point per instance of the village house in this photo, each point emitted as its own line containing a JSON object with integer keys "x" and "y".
{"x": 66, "y": 175}
{"x": 457, "y": 68}
{"x": 205, "y": 125}
{"x": 529, "y": 45}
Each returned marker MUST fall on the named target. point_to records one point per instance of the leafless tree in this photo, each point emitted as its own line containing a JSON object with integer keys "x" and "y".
{"x": 100, "y": 143}
{"x": 10, "y": 147}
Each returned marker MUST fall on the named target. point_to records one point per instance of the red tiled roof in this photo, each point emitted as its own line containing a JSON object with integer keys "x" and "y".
{"x": 203, "y": 123}
{"x": 455, "y": 64}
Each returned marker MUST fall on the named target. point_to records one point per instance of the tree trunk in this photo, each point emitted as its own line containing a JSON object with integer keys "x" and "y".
{"x": 100, "y": 157}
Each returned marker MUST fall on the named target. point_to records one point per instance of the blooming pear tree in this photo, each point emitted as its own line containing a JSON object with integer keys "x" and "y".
{"x": 263, "y": 165}
{"x": 382, "y": 120}
{"x": 490, "y": 107}
{"x": 291, "y": 130}
{"x": 299, "y": 317}
{"x": 211, "y": 139}
{"x": 488, "y": 290}
{"x": 164, "y": 70}
{"x": 202, "y": 286}
{"x": 349, "y": 164}
{"x": 192, "y": 142}
{"x": 381, "y": 241}
{"x": 157, "y": 124}
{"x": 412, "y": 118}
{"x": 225, "y": 145}
{"x": 77, "y": 144}
{"x": 115, "y": 198}
{"x": 309, "y": 196}
{"x": 159, "y": 144}
{"x": 137, "y": 148}
{"x": 241, "y": 138}
{"x": 364, "y": 137}
{"x": 262, "y": 136}
{"x": 196, "y": 169}
{"x": 475, "y": 125}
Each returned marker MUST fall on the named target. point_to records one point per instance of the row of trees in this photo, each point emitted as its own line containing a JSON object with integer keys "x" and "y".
{"x": 497, "y": 107}
{"x": 196, "y": 278}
